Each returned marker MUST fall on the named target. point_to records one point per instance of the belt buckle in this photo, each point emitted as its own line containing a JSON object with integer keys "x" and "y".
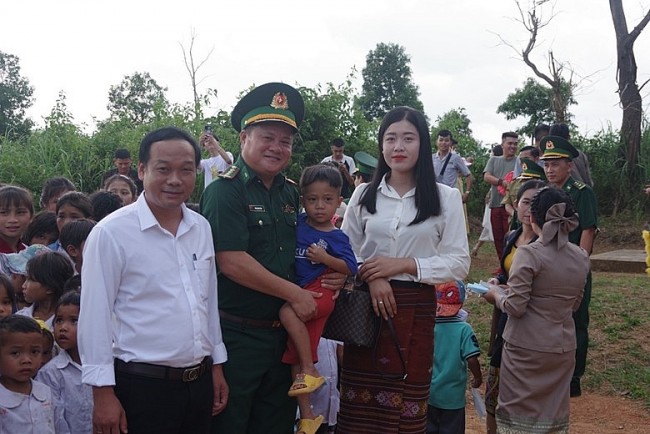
{"x": 191, "y": 374}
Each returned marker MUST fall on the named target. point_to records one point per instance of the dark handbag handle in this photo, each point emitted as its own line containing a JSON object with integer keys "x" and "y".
{"x": 363, "y": 286}
{"x": 393, "y": 333}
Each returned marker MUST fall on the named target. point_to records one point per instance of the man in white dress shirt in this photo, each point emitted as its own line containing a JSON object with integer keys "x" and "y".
{"x": 345, "y": 163}
{"x": 149, "y": 332}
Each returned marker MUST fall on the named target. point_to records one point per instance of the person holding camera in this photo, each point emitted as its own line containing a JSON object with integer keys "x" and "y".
{"x": 218, "y": 162}
{"x": 345, "y": 163}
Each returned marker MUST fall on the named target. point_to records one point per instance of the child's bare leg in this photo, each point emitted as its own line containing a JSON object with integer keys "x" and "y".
{"x": 300, "y": 337}
{"x": 304, "y": 403}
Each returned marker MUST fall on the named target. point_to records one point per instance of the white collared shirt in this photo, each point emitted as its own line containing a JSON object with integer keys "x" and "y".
{"x": 63, "y": 376}
{"x": 148, "y": 296}
{"x": 28, "y": 414}
{"x": 438, "y": 244}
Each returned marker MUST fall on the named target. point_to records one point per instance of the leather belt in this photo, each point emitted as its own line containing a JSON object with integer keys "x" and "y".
{"x": 248, "y": 322}
{"x": 185, "y": 375}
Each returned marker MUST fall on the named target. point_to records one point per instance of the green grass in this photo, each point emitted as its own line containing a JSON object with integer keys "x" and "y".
{"x": 619, "y": 351}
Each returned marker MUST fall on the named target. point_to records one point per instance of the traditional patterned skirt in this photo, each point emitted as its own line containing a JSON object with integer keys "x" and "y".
{"x": 375, "y": 396}
{"x": 534, "y": 391}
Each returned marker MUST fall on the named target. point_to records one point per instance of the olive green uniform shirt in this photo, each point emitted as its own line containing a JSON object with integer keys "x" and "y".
{"x": 584, "y": 200}
{"x": 246, "y": 216}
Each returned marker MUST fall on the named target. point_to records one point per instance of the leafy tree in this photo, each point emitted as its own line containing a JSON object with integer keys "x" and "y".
{"x": 457, "y": 121}
{"x": 15, "y": 98}
{"x": 534, "y": 101}
{"x": 387, "y": 81}
{"x": 137, "y": 98}
{"x": 329, "y": 113}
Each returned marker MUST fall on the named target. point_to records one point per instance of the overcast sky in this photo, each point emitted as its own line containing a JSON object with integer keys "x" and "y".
{"x": 84, "y": 47}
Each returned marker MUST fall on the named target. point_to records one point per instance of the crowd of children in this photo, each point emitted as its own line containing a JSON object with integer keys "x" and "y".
{"x": 40, "y": 264}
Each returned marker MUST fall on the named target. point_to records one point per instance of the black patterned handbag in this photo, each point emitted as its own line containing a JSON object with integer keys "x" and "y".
{"x": 353, "y": 320}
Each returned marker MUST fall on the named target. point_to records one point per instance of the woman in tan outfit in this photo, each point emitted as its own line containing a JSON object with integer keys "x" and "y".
{"x": 546, "y": 283}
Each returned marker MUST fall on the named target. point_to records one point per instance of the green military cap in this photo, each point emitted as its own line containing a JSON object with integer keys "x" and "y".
{"x": 366, "y": 163}
{"x": 531, "y": 170}
{"x": 554, "y": 147}
{"x": 270, "y": 102}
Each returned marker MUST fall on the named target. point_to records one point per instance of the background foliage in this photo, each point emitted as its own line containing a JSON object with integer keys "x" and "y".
{"x": 138, "y": 104}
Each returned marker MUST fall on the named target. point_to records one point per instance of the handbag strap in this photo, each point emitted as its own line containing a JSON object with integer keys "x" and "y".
{"x": 393, "y": 334}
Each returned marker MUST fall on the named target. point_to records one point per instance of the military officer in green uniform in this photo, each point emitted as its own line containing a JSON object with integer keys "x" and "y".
{"x": 366, "y": 166}
{"x": 558, "y": 154}
{"x": 252, "y": 209}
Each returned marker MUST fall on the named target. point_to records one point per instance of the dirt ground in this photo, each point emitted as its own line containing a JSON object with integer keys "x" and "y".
{"x": 590, "y": 414}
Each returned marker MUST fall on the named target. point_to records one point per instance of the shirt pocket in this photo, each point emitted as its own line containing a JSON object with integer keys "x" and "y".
{"x": 203, "y": 269}
{"x": 291, "y": 219}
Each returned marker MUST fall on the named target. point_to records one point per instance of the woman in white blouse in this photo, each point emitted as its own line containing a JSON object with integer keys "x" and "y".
{"x": 409, "y": 232}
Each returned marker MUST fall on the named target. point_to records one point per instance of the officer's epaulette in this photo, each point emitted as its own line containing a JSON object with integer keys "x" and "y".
{"x": 578, "y": 184}
{"x": 231, "y": 173}
{"x": 291, "y": 181}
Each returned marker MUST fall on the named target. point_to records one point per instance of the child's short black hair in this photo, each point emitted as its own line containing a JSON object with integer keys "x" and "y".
{"x": 53, "y": 187}
{"x": 321, "y": 172}
{"x": 75, "y": 232}
{"x": 43, "y": 223}
{"x": 72, "y": 284}
{"x": 50, "y": 269}
{"x": 12, "y": 195}
{"x": 118, "y": 177}
{"x": 5, "y": 281}
{"x": 78, "y": 200}
{"x": 69, "y": 298}
{"x": 18, "y": 324}
{"x": 104, "y": 203}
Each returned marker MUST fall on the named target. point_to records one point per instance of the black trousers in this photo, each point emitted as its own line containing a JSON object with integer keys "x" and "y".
{"x": 165, "y": 406}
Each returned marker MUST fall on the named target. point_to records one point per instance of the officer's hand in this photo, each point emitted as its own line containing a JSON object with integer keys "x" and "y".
{"x": 304, "y": 304}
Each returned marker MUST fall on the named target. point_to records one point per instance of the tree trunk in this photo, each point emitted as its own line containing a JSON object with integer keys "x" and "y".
{"x": 628, "y": 89}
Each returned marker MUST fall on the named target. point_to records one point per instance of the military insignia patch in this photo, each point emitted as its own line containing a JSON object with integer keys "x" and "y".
{"x": 288, "y": 209}
{"x": 256, "y": 208}
{"x": 230, "y": 173}
{"x": 524, "y": 166}
{"x": 280, "y": 101}
{"x": 550, "y": 145}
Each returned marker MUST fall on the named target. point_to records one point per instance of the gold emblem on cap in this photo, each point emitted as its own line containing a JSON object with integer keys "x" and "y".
{"x": 550, "y": 145}
{"x": 280, "y": 101}
{"x": 524, "y": 166}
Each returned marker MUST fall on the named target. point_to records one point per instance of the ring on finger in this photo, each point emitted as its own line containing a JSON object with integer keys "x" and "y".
{"x": 380, "y": 302}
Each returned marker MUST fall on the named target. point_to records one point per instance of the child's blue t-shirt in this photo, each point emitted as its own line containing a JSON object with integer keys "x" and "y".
{"x": 455, "y": 342}
{"x": 335, "y": 242}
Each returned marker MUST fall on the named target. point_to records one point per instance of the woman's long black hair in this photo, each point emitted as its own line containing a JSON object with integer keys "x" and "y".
{"x": 427, "y": 198}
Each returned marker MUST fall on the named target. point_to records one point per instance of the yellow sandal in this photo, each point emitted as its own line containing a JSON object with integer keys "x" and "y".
{"x": 309, "y": 426}
{"x": 304, "y": 384}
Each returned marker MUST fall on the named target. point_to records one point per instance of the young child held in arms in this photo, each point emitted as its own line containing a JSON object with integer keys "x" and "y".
{"x": 456, "y": 348}
{"x": 63, "y": 373}
{"x": 320, "y": 247}
{"x": 25, "y": 405}
{"x": 16, "y": 211}
{"x": 46, "y": 276}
